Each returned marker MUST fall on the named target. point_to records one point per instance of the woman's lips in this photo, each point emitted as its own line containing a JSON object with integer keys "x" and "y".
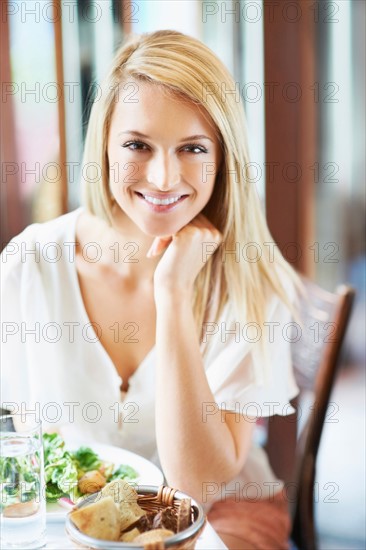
{"x": 161, "y": 202}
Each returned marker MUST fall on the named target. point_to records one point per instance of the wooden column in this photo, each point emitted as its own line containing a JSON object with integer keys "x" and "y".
{"x": 291, "y": 95}
{"x": 12, "y": 213}
{"x": 127, "y": 11}
{"x": 61, "y": 106}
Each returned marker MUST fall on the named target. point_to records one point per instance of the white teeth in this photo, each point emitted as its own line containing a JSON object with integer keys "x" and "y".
{"x": 160, "y": 202}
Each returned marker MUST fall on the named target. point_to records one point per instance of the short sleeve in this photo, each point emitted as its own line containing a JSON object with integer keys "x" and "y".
{"x": 236, "y": 371}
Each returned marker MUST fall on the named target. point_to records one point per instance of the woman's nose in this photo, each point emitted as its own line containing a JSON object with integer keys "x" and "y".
{"x": 163, "y": 172}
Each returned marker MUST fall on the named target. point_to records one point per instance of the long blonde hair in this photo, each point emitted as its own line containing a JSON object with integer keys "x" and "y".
{"x": 187, "y": 67}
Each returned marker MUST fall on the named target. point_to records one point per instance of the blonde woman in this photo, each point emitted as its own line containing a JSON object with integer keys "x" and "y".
{"x": 153, "y": 317}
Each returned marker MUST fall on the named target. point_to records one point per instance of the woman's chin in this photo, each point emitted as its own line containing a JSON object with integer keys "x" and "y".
{"x": 161, "y": 230}
{"x": 151, "y": 228}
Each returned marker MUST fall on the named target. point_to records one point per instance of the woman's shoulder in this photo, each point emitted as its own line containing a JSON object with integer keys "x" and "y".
{"x": 280, "y": 291}
{"x": 44, "y": 231}
{"x": 37, "y": 244}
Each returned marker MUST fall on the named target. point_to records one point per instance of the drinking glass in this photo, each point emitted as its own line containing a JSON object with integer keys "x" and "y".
{"x": 22, "y": 494}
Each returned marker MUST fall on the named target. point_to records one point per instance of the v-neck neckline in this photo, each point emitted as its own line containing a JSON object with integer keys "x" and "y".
{"x": 82, "y": 308}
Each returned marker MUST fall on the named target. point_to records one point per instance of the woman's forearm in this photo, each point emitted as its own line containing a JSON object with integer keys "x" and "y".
{"x": 192, "y": 449}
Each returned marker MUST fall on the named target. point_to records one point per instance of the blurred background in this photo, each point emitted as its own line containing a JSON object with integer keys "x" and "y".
{"x": 300, "y": 68}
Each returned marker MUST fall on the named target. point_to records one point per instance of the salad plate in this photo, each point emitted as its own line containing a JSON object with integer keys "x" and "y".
{"x": 147, "y": 472}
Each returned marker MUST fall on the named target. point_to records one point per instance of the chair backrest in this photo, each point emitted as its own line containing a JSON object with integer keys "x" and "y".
{"x": 293, "y": 442}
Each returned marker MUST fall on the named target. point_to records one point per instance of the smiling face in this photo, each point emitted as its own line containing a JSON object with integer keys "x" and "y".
{"x": 164, "y": 156}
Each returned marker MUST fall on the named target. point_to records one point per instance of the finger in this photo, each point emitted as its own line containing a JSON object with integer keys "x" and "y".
{"x": 203, "y": 223}
{"x": 158, "y": 246}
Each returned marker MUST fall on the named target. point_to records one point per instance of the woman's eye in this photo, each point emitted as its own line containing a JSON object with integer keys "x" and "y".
{"x": 135, "y": 146}
{"x": 195, "y": 149}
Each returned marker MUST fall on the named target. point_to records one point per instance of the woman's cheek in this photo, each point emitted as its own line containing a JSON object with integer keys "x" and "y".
{"x": 123, "y": 173}
{"x": 196, "y": 174}
{"x": 131, "y": 173}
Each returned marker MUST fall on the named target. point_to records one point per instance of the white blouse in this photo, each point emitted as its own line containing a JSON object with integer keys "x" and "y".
{"x": 53, "y": 362}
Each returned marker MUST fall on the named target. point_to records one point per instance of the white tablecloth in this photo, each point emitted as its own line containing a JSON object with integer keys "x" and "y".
{"x": 57, "y": 539}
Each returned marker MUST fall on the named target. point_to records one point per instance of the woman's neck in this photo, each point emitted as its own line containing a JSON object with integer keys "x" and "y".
{"x": 122, "y": 246}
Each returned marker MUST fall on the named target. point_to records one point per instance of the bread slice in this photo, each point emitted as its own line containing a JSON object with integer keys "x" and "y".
{"x": 100, "y": 519}
{"x": 120, "y": 491}
{"x": 156, "y": 535}
{"x": 184, "y": 514}
{"x": 129, "y": 514}
{"x": 130, "y": 535}
{"x": 125, "y": 497}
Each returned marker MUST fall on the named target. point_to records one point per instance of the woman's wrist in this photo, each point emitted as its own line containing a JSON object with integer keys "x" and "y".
{"x": 172, "y": 295}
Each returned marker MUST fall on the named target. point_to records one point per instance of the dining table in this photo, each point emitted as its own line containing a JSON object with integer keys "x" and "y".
{"x": 58, "y": 540}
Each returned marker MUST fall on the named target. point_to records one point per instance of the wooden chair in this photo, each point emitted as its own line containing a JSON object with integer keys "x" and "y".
{"x": 292, "y": 445}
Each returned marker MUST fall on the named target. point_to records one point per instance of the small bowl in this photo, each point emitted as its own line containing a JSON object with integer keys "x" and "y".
{"x": 164, "y": 496}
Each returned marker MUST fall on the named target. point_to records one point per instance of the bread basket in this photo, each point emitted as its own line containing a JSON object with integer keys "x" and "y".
{"x": 151, "y": 499}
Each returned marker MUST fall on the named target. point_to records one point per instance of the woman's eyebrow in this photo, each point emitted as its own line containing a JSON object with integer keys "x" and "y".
{"x": 134, "y": 132}
{"x": 196, "y": 136}
{"x": 189, "y": 138}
